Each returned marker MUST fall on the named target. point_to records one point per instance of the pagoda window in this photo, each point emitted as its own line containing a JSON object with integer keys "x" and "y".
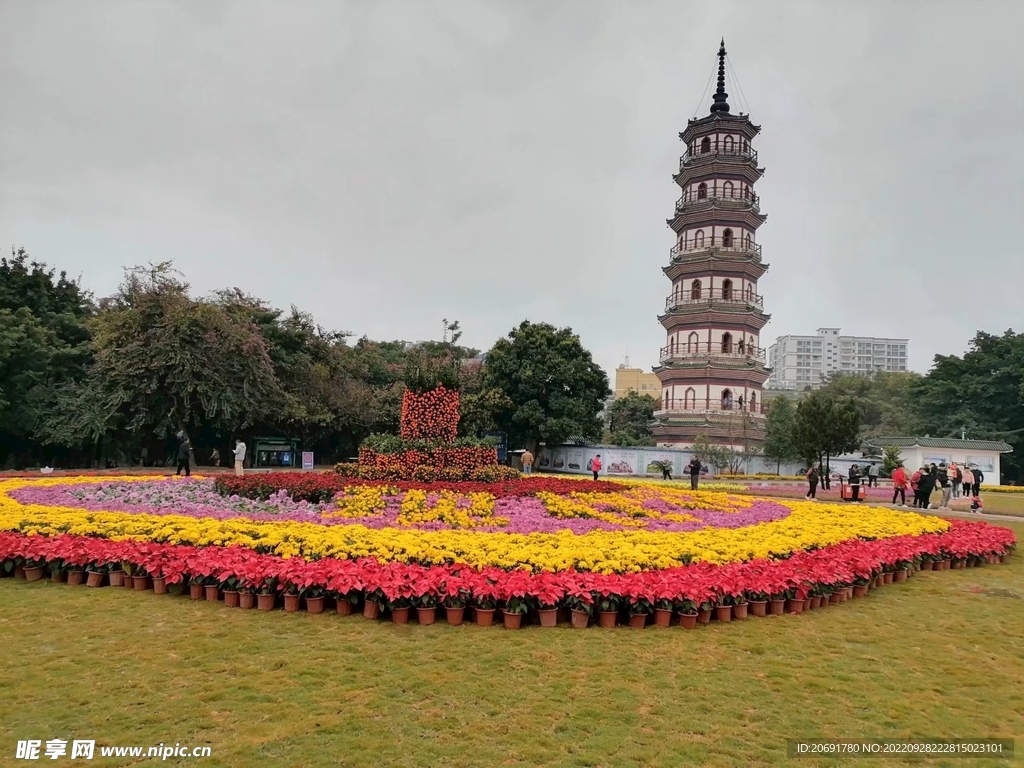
{"x": 705, "y": 145}
{"x": 693, "y": 343}
{"x": 746, "y": 193}
{"x": 750, "y": 345}
{"x": 746, "y": 241}
{"x": 726, "y": 399}
{"x": 666, "y": 400}
{"x": 727, "y": 190}
{"x": 744, "y": 146}
{"x": 689, "y": 398}
{"x": 753, "y": 402}
{"x": 727, "y": 238}
{"x": 729, "y": 145}
{"x": 727, "y": 342}
{"x": 727, "y": 289}
{"x": 702, "y": 191}
{"x": 698, "y": 239}
{"x": 695, "y": 290}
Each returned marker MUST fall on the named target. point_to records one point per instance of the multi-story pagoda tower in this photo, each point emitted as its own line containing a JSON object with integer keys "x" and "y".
{"x": 712, "y": 365}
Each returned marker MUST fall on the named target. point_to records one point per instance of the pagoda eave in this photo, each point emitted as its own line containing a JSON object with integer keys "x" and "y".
{"x": 739, "y": 167}
{"x": 745, "y": 267}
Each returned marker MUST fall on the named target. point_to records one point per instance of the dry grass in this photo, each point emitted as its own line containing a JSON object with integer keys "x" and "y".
{"x": 939, "y": 656}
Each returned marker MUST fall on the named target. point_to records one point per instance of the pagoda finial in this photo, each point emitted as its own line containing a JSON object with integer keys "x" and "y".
{"x": 721, "y": 103}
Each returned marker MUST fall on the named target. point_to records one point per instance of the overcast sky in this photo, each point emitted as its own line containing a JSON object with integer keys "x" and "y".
{"x": 385, "y": 165}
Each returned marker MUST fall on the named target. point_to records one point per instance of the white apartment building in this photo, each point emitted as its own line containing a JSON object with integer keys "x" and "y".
{"x": 799, "y": 361}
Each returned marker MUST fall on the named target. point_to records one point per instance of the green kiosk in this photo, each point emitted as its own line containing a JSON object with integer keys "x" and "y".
{"x": 276, "y": 452}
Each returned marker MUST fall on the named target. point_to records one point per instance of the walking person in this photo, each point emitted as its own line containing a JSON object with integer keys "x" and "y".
{"x": 215, "y": 457}
{"x": 595, "y": 465}
{"x": 967, "y": 481}
{"x": 899, "y": 485}
{"x": 872, "y": 475}
{"x": 942, "y": 479}
{"x": 854, "y": 483}
{"x": 694, "y": 468}
{"x": 955, "y": 476}
{"x": 527, "y": 462}
{"x": 184, "y": 453}
{"x": 979, "y": 478}
{"x": 926, "y": 485}
{"x": 239, "y": 458}
{"x": 915, "y": 486}
{"x": 666, "y": 470}
{"x": 812, "y": 483}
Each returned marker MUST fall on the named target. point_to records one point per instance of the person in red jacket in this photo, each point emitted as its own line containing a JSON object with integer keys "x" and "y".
{"x": 595, "y": 465}
{"x": 899, "y": 485}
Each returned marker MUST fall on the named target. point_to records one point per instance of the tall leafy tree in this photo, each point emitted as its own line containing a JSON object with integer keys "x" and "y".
{"x": 885, "y": 400}
{"x": 981, "y": 393}
{"x": 629, "y": 419}
{"x": 826, "y": 426}
{"x": 780, "y": 443}
{"x": 555, "y": 390}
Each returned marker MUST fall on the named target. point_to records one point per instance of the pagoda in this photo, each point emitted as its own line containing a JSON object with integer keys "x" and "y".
{"x": 712, "y": 367}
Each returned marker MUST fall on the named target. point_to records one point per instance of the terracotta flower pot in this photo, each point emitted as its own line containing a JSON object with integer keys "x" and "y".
{"x": 399, "y": 615}
{"x": 580, "y": 619}
{"x": 794, "y": 606}
{"x": 94, "y": 579}
{"x": 195, "y": 591}
{"x": 266, "y": 602}
{"x": 34, "y": 574}
{"x": 835, "y": 598}
{"x": 860, "y": 591}
{"x": 945, "y": 564}
{"x": 723, "y": 612}
{"x": 76, "y": 578}
{"x": 688, "y": 620}
{"x": 116, "y": 578}
{"x": 1004, "y": 559}
{"x": 704, "y": 617}
{"x": 848, "y": 594}
{"x": 878, "y": 581}
{"x": 927, "y": 565}
{"x": 19, "y": 572}
{"x": 887, "y": 577}
{"x": 739, "y": 611}
{"x": 455, "y": 616}
{"x": 512, "y": 620}
{"x": 426, "y": 616}
{"x": 344, "y": 607}
{"x": 371, "y": 610}
{"x": 662, "y": 617}
{"x": 778, "y": 607}
{"x": 816, "y": 602}
{"x": 314, "y": 604}
{"x": 960, "y": 564}
{"x": 638, "y": 620}
{"x": 128, "y": 582}
{"x": 291, "y": 602}
{"x": 901, "y": 576}
{"x": 606, "y": 619}
{"x": 231, "y": 598}
{"x": 807, "y": 603}
{"x": 548, "y": 617}
{"x": 247, "y": 600}
{"x": 159, "y": 585}
{"x": 758, "y": 607}
{"x": 141, "y": 583}
{"x": 484, "y": 617}
{"x": 212, "y": 592}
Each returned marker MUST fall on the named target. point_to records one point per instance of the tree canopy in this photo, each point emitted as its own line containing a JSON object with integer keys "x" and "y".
{"x": 826, "y": 426}
{"x": 629, "y": 419}
{"x": 780, "y": 443}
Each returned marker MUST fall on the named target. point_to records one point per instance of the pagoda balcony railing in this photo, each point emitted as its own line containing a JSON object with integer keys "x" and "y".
{"x": 717, "y": 296}
{"x": 716, "y": 151}
{"x": 694, "y": 406}
{"x": 721, "y": 245}
{"x": 723, "y": 198}
{"x": 702, "y": 349}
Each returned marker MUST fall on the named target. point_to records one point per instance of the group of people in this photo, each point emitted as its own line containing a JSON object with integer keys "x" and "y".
{"x": 185, "y": 457}
{"x": 954, "y": 481}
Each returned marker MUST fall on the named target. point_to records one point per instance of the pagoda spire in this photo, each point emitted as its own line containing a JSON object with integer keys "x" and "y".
{"x": 721, "y": 104}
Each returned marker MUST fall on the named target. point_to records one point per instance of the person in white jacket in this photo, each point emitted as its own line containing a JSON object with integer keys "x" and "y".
{"x": 239, "y": 457}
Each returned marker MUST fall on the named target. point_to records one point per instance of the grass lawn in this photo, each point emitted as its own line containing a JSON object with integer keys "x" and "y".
{"x": 939, "y": 656}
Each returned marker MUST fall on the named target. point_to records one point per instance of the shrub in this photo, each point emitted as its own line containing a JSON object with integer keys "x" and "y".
{"x": 425, "y": 474}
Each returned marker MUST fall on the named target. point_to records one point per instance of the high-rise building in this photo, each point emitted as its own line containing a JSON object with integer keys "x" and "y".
{"x": 713, "y": 367}
{"x": 797, "y": 362}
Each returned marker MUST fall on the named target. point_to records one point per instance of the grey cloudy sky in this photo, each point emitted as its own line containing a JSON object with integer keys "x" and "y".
{"x": 384, "y": 165}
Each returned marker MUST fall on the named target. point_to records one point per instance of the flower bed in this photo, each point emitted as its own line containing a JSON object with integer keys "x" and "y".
{"x": 525, "y": 545}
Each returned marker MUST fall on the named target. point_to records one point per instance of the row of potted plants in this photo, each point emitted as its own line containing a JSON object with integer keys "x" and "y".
{"x": 245, "y": 578}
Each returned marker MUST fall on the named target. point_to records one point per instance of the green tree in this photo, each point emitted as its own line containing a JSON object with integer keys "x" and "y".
{"x": 780, "y": 442}
{"x": 890, "y": 460}
{"x": 885, "y": 400}
{"x": 981, "y": 393}
{"x": 554, "y": 388}
{"x": 44, "y": 349}
{"x": 629, "y": 419}
{"x": 826, "y": 426}
{"x": 714, "y": 455}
